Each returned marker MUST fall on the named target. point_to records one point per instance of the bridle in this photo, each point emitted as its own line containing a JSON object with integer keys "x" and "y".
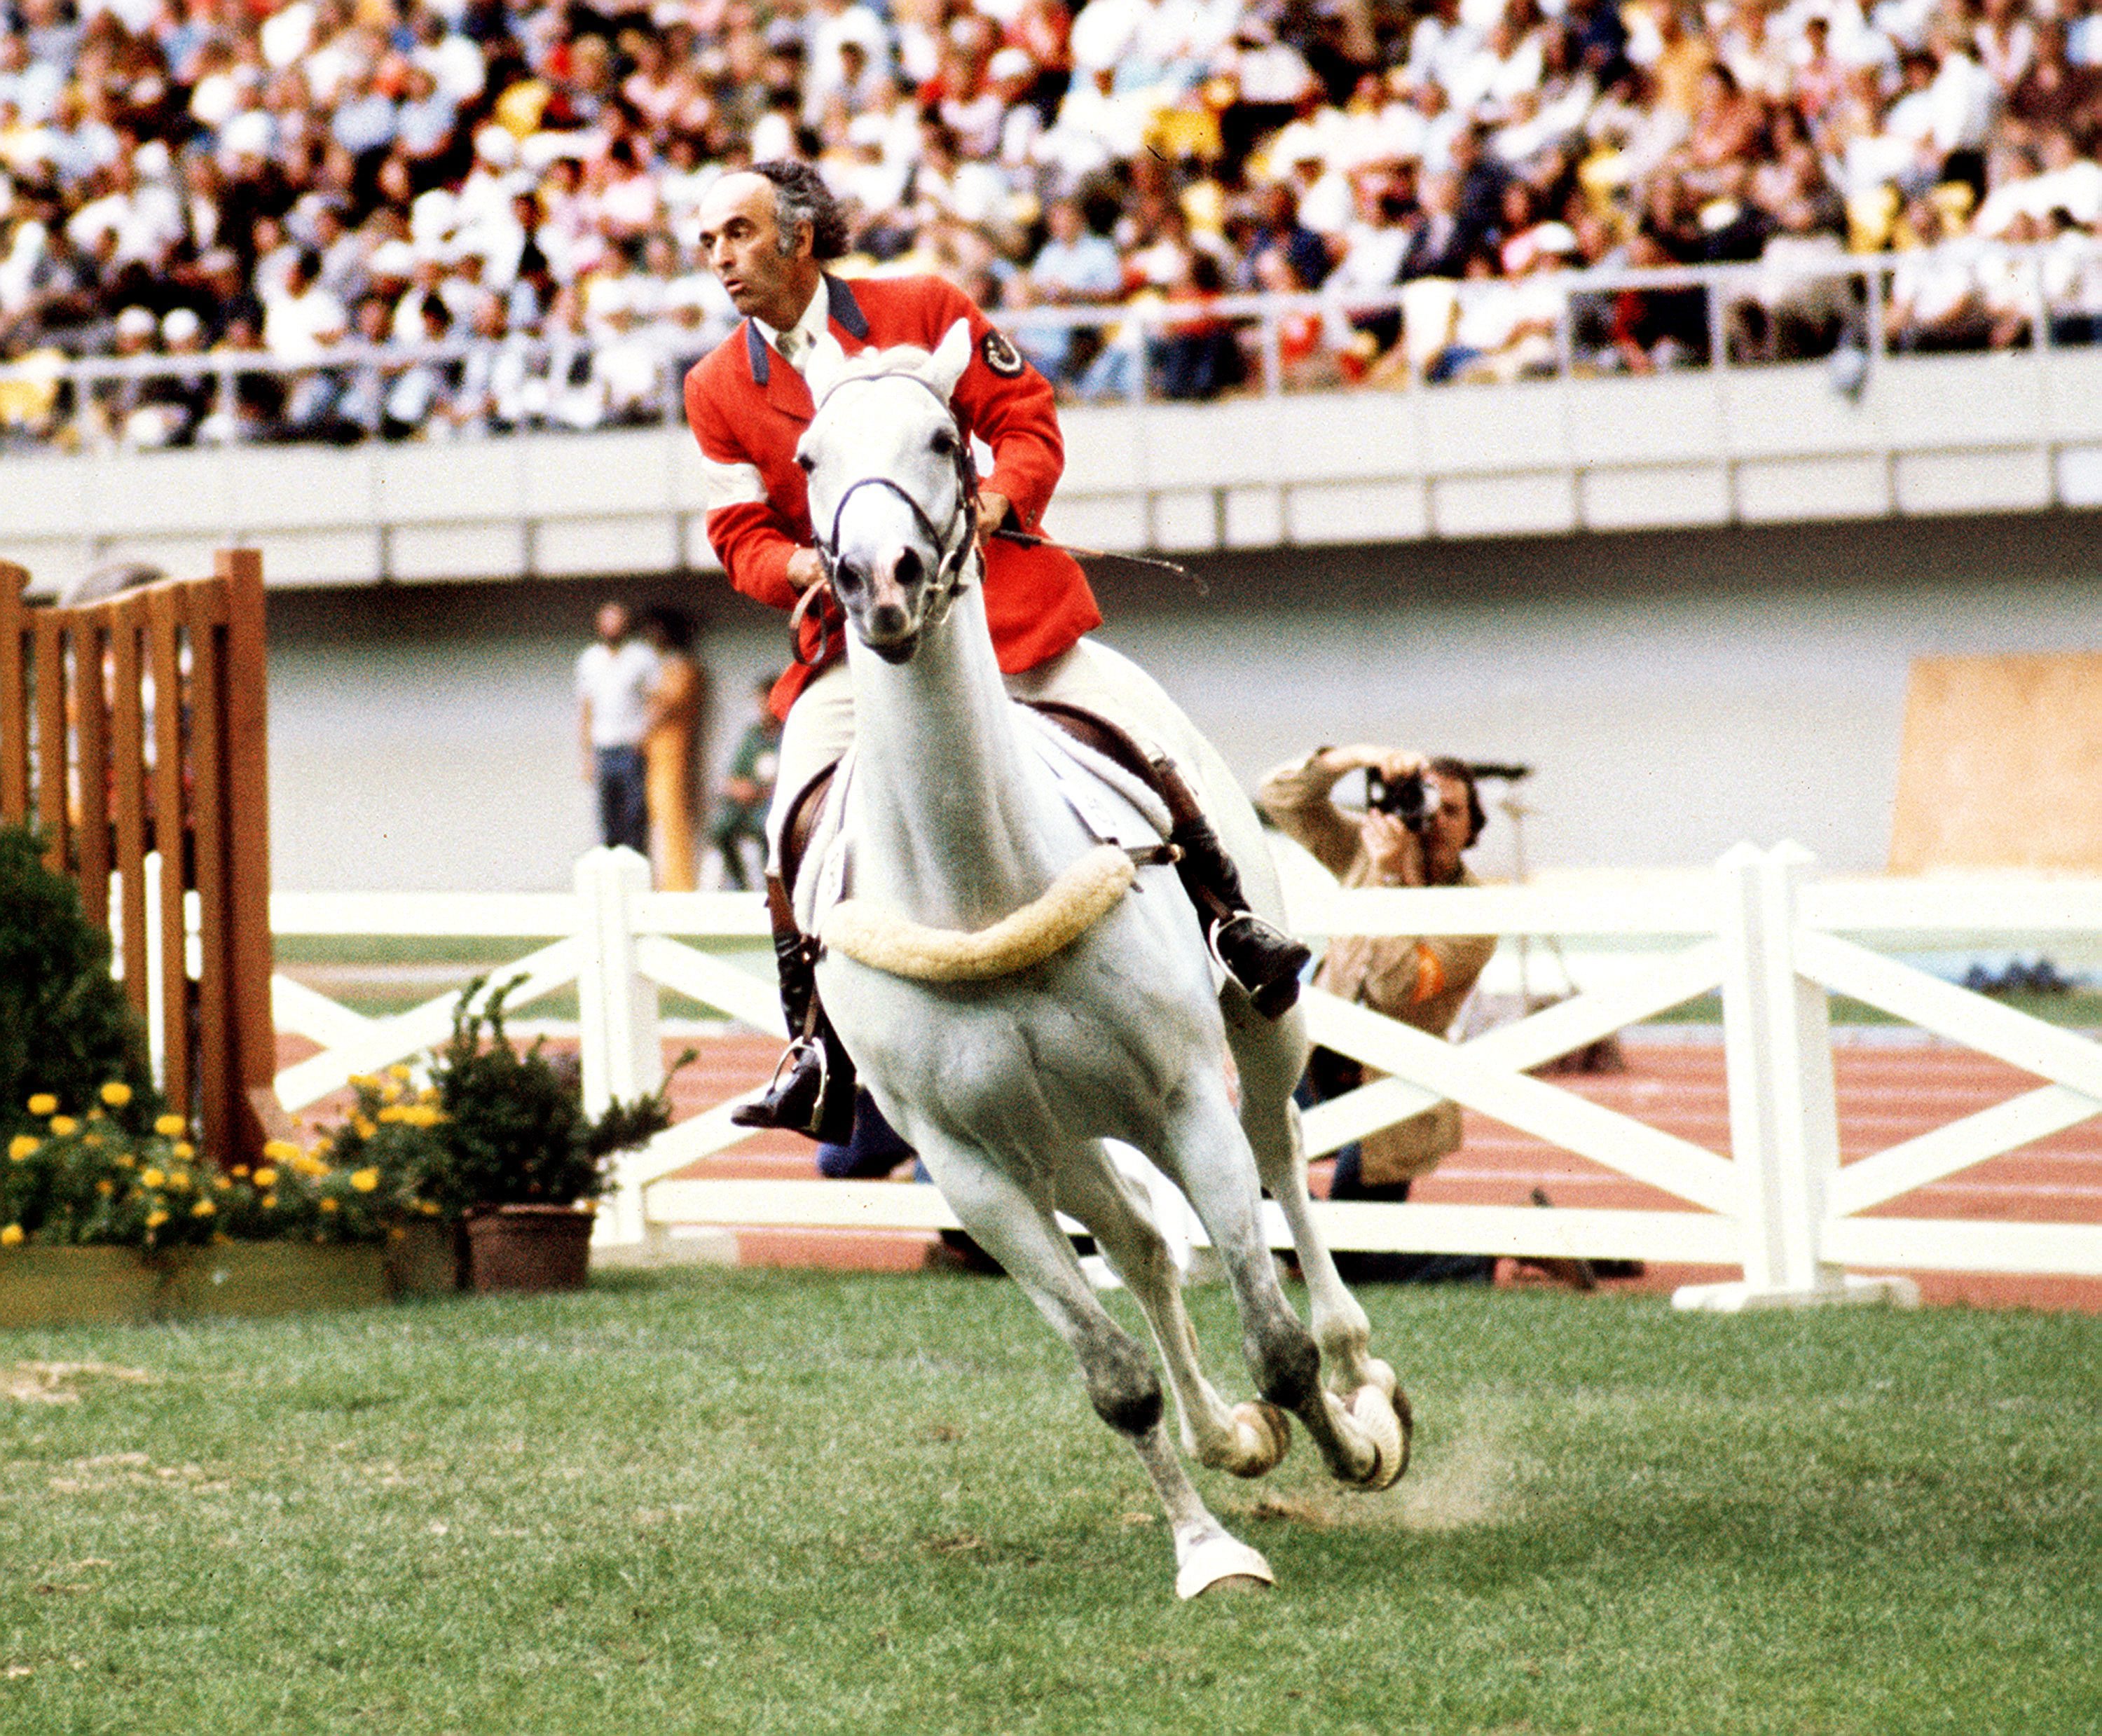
{"x": 954, "y": 544}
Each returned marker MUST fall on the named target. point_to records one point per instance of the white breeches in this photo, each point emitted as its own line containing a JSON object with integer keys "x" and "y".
{"x": 821, "y": 724}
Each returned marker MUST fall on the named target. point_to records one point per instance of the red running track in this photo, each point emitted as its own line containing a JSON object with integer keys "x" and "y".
{"x": 1886, "y": 1094}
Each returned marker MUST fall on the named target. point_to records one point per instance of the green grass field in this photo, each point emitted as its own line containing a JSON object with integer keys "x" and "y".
{"x": 790, "y": 1503}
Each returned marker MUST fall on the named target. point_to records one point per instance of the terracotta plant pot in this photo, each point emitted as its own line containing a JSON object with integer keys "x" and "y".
{"x": 529, "y": 1248}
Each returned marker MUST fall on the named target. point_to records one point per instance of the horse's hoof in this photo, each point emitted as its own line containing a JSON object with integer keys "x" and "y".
{"x": 1265, "y": 1434}
{"x": 1383, "y": 1377}
{"x": 1387, "y": 1421}
{"x": 1224, "y": 1563}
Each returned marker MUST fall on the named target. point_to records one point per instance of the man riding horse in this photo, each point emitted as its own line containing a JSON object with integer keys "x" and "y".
{"x": 767, "y": 234}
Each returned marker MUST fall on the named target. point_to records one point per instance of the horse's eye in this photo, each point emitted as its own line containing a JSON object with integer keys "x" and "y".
{"x": 806, "y": 463}
{"x": 944, "y": 440}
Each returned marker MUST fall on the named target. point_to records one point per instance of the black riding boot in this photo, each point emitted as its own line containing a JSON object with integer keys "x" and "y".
{"x": 812, "y": 1089}
{"x": 1263, "y": 960}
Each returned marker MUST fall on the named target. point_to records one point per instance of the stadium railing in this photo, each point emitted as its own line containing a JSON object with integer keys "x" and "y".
{"x": 1725, "y": 286}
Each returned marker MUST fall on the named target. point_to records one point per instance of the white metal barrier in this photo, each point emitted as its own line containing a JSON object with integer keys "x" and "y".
{"x": 1779, "y": 1206}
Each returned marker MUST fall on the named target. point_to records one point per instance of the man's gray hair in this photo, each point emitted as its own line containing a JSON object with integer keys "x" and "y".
{"x": 802, "y": 200}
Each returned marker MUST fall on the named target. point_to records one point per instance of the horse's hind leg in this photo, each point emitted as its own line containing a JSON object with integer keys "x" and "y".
{"x": 1204, "y": 1150}
{"x": 1019, "y": 1231}
{"x": 1270, "y": 1057}
{"x": 1248, "y": 1440}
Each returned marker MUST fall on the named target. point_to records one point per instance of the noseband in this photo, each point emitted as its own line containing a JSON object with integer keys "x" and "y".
{"x": 952, "y": 545}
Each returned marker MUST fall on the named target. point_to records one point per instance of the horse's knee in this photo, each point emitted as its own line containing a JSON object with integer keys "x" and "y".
{"x": 1121, "y": 1383}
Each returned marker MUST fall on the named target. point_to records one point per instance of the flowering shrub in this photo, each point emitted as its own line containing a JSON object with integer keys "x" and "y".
{"x": 511, "y": 1128}
{"x": 65, "y": 1027}
{"x": 90, "y": 1180}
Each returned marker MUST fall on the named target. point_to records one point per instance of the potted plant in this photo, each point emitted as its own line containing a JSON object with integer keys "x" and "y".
{"x": 516, "y": 1161}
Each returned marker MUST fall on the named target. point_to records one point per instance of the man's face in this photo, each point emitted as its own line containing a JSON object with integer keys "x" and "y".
{"x": 1446, "y": 836}
{"x": 613, "y": 623}
{"x": 741, "y": 239}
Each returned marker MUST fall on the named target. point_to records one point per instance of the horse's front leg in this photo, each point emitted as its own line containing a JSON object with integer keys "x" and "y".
{"x": 1020, "y": 1231}
{"x": 1203, "y": 1148}
{"x": 1270, "y": 1057}
{"x": 1248, "y": 1440}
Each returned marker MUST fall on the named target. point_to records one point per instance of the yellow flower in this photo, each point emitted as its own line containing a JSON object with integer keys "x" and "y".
{"x": 240, "y": 1172}
{"x": 203, "y": 1208}
{"x": 395, "y": 1112}
{"x": 328, "y": 1204}
{"x": 364, "y": 1081}
{"x": 124, "y": 1160}
{"x": 269, "y": 1202}
{"x": 105, "y": 1187}
{"x": 224, "y": 1184}
{"x": 265, "y": 1176}
{"x": 21, "y": 1146}
{"x": 171, "y": 1126}
{"x": 364, "y": 1180}
{"x": 62, "y": 1125}
{"x": 43, "y": 1104}
{"x": 184, "y": 1149}
{"x": 428, "y": 1094}
{"x": 179, "y": 1178}
{"x": 401, "y": 1070}
{"x": 156, "y": 1218}
{"x": 392, "y": 1094}
{"x": 116, "y": 1094}
{"x": 365, "y": 1129}
{"x": 12, "y": 1236}
{"x": 152, "y": 1178}
{"x": 281, "y": 1151}
{"x": 429, "y": 1207}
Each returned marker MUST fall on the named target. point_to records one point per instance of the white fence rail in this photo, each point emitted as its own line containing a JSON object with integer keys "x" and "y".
{"x": 1778, "y": 1205}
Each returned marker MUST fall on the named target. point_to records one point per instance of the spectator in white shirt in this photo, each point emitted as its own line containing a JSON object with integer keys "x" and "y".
{"x": 614, "y": 680}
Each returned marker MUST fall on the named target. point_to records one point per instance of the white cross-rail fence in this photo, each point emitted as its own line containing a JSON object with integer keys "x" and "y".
{"x": 1774, "y": 941}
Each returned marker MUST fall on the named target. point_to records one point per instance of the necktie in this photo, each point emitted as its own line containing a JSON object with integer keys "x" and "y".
{"x": 790, "y": 343}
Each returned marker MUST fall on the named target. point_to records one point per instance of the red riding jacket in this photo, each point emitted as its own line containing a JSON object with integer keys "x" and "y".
{"x": 748, "y": 408}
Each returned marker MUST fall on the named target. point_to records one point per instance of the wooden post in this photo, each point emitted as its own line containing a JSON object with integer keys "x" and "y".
{"x": 1784, "y": 1112}
{"x": 48, "y": 635}
{"x": 128, "y": 757}
{"x": 622, "y": 1053}
{"x": 14, "y": 700}
{"x": 246, "y": 712}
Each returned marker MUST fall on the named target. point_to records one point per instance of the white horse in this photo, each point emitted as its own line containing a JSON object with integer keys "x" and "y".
{"x": 1014, "y": 992}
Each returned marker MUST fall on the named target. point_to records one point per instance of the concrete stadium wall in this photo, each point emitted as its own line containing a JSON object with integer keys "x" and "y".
{"x": 1928, "y": 436}
{"x": 1677, "y": 691}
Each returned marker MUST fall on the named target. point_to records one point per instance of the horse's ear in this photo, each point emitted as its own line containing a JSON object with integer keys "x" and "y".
{"x": 828, "y": 360}
{"x": 951, "y": 356}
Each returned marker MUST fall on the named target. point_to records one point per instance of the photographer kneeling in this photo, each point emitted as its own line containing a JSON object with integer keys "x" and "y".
{"x": 1420, "y": 816}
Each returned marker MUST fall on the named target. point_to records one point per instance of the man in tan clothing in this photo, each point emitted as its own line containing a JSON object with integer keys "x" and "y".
{"x": 1423, "y": 982}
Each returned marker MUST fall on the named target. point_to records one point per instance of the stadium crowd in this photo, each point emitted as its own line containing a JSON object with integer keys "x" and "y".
{"x": 516, "y": 181}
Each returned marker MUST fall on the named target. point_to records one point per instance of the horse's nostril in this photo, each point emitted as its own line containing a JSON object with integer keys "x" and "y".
{"x": 886, "y": 619}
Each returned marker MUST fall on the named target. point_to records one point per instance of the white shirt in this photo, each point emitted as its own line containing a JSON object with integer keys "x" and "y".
{"x": 812, "y": 327}
{"x": 615, "y": 684}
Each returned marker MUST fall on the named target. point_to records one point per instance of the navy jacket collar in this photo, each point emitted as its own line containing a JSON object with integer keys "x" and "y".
{"x": 839, "y": 305}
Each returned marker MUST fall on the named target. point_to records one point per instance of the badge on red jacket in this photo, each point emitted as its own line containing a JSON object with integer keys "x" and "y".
{"x": 1000, "y": 355}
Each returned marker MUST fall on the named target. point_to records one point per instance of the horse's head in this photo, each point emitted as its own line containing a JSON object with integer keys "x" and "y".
{"x": 891, "y": 487}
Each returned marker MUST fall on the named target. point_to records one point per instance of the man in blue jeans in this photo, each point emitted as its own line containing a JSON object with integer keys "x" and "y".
{"x": 614, "y": 680}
